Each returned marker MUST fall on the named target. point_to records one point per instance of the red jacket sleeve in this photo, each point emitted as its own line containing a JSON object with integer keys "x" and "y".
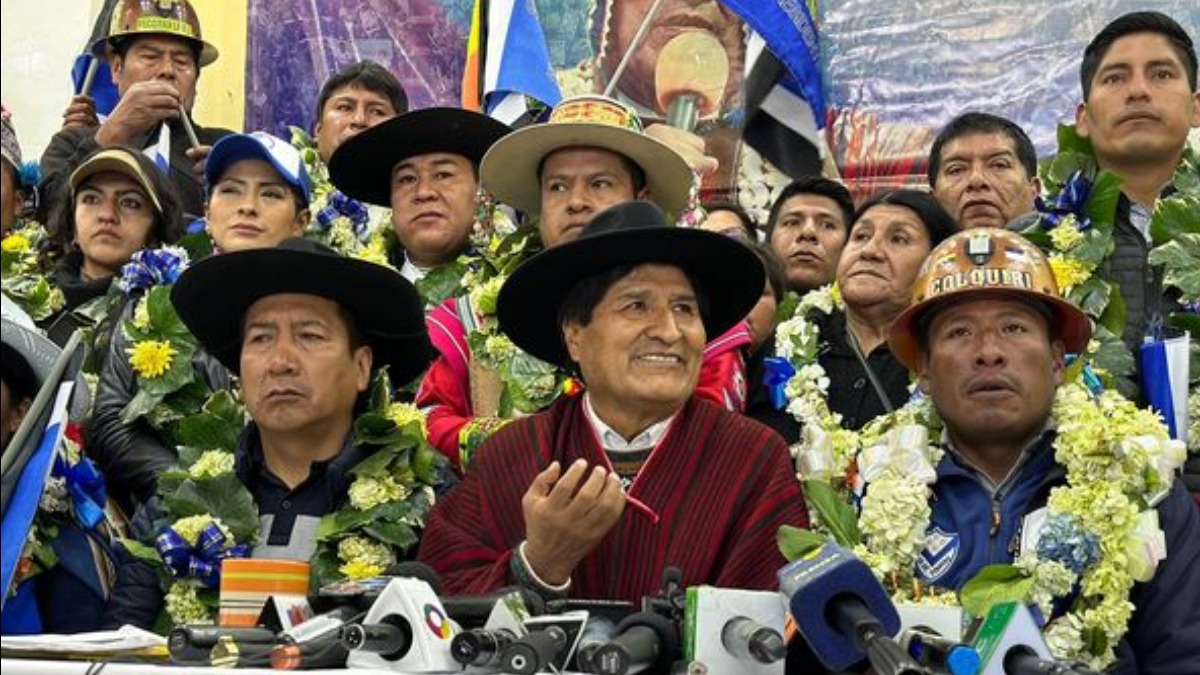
{"x": 447, "y": 405}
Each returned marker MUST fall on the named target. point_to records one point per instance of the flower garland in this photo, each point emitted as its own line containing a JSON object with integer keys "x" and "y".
{"x": 392, "y": 492}
{"x": 342, "y": 223}
{"x": 21, "y": 277}
{"x": 1101, "y": 535}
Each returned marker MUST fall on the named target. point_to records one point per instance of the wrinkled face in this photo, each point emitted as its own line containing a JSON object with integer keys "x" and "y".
{"x": 809, "y": 237}
{"x": 880, "y": 262}
{"x": 348, "y": 111}
{"x": 1141, "y": 106}
{"x": 577, "y": 184}
{"x": 642, "y": 349}
{"x": 251, "y": 207}
{"x": 433, "y": 206}
{"x": 673, "y": 20}
{"x": 114, "y": 219}
{"x": 10, "y": 197}
{"x": 298, "y": 370}
{"x": 981, "y": 183}
{"x": 991, "y": 370}
{"x": 158, "y": 57}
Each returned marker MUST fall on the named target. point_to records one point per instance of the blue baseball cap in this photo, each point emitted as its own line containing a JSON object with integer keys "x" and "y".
{"x": 263, "y": 146}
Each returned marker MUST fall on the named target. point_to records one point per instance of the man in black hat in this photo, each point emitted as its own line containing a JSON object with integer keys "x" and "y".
{"x": 598, "y": 494}
{"x": 424, "y": 165}
{"x": 303, "y": 328}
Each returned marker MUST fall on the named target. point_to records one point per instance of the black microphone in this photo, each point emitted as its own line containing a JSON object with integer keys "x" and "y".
{"x": 472, "y": 611}
{"x": 327, "y": 652}
{"x": 939, "y": 654}
{"x": 1023, "y": 660}
{"x": 534, "y": 651}
{"x": 748, "y": 639}
{"x": 597, "y": 632}
{"x": 416, "y": 570}
{"x": 479, "y": 647}
{"x": 643, "y": 639}
{"x": 194, "y": 644}
{"x": 852, "y": 617}
{"x": 391, "y": 638}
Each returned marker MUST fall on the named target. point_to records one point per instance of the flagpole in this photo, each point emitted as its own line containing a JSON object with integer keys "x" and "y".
{"x": 633, "y": 45}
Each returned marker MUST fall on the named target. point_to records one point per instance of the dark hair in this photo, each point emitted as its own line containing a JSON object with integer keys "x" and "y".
{"x": 748, "y": 224}
{"x": 120, "y": 45}
{"x": 776, "y": 272}
{"x": 938, "y": 224}
{"x": 59, "y": 248}
{"x": 971, "y": 123}
{"x": 637, "y": 174}
{"x": 17, "y": 374}
{"x": 365, "y": 75}
{"x": 812, "y": 185}
{"x": 1137, "y": 22}
{"x": 584, "y": 296}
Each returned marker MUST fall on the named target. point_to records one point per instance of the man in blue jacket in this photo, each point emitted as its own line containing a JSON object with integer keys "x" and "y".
{"x": 987, "y": 333}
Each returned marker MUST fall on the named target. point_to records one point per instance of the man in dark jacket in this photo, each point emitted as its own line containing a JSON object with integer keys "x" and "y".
{"x": 155, "y": 54}
{"x": 987, "y": 333}
{"x": 302, "y": 327}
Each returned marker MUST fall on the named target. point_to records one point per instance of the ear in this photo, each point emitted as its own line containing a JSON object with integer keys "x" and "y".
{"x": 1058, "y": 353}
{"x": 643, "y": 194}
{"x": 363, "y": 358}
{"x": 1035, "y": 186}
{"x": 573, "y": 337}
{"x": 302, "y": 218}
{"x": 1196, "y": 109}
{"x": 923, "y": 372}
{"x": 1081, "y": 120}
{"x": 116, "y": 65}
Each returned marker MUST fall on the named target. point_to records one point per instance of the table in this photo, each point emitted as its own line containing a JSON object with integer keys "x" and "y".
{"x": 35, "y": 667}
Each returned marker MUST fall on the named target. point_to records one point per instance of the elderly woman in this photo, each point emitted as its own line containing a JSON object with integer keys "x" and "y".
{"x": 258, "y": 196}
{"x": 890, "y": 235}
{"x": 117, "y": 203}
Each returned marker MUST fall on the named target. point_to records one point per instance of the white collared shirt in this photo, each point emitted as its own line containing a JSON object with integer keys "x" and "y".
{"x": 612, "y": 441}
{"x": 412, "y": 272}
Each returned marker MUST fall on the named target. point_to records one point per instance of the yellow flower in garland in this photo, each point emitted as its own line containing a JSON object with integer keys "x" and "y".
{"x": 151, "y": 358}
{"x": 401, "y": 414}
{"x": 15, "y": 243}
{"x": 141, "y": 315}
{"x": 357, "y": 570}
{"x": 1069, "y": 273}
{"x": 367, "y": 492}
{"x": 363, "y": 557}
{"x": 1066, "y": 235}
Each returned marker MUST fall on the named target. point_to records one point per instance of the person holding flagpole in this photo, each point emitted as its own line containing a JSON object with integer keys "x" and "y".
{"x": 155, "y": 53}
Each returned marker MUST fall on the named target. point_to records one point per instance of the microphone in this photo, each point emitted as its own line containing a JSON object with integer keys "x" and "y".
{"x": 597, "y": 631}
{"x": 414, "y": 569}
{"x": 391, "y": 638}
{"x": 643, "y": 639}
{"x": 194, "y": 644}
{"x": 748, "y": 639}
{"x": 327, "y": 652}
{"x": 690, "y": 77}
{"x": 843, "y": 612}
{"x": 1008, "y": 626}
{"x": 480, "y": 647}
{"x": 472, "y": 611}
{"x": 939, "y": 654}
{"x": 1023, "y": 660}
{"x": 534, "y": 651}
{"x": 322, "y": 626}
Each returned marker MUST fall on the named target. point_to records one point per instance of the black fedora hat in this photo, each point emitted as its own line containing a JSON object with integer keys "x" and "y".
{"x": 213, "y": 296}
{"x": 631, "y": 233}
{"x": 362, "y": 166}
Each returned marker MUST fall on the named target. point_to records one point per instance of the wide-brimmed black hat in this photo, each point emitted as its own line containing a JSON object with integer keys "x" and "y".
{"x": 362, "y": 166}
{"x": 213, "y": 296}
{"x": 632, "y": 233}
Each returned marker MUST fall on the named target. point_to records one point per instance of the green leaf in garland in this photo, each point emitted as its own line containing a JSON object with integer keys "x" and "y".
{"x": 139, "y": 406}
{"x": 1114, "y": 314}
{"x": 441, "y": 284}
{"x": 381, "y": 386}
{"x": 1092, "y": 296}
{"x": 375, "y": 465}
{"x": 147, "y": 554}
{"x": 1181, "y": 259}
{"x": 395, "y": 533}
{"x": 834, "y": 513}
{"x": 795, "y": 543}
{"x": 1174, "y": 217}
{"x": 1101, "y": 205}
{"x": 994, "y": 585}
{"x": 1188, "y": 322}
{"x": 325, "y": 569}
{"x": 1070, "y": 140}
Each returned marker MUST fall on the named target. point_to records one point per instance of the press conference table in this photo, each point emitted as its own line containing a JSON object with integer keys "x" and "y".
{"x": 30, "y": 667}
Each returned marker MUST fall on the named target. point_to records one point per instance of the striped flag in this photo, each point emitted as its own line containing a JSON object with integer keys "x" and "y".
{"x": 510, "y": 53}
{"x": 89, "y": 73}
{"x": 785, "y": 99}
{"x": 160, "y": 152}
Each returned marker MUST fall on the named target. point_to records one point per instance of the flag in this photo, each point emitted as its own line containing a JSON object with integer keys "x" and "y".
{"x": 160, "y": 152}
{"x": 785, "y": 99}
{"x": 517, "y": 79}
{"x": 101, "y": 89}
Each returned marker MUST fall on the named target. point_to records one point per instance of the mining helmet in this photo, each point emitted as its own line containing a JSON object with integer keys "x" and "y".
{"x": 156, "y": 17}
{"x": 985, "y": 261}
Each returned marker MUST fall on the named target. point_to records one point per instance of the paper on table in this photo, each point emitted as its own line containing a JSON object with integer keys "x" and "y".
{"x": 125, "y": 639}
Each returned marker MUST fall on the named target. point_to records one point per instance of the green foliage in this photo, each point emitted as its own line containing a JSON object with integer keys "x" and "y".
{"x": 994, "y": 585}
{"x": 833, "y": 513}
{"x": 795, "y": 543}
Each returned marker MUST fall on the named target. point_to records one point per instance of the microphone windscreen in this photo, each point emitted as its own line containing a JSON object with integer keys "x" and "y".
{"x": 416, "y": 570}
{"x": 814, "y": 582}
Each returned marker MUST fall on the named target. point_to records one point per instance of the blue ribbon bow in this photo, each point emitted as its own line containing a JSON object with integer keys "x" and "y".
{"x": 203, "y": 561}
{"x": 341, "y": 205}
{"x": 1070, "y": 200}
{"x": 85, "y": 484}
{"x": 778, "y": 371}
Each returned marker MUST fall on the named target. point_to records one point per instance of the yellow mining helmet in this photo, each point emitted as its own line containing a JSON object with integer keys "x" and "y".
{"x": 156, "y": 17}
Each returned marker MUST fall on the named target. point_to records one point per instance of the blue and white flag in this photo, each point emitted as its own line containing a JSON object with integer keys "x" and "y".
{"x": 1164, "y": 370}
{"x": 160, "y": 152}
{"x": 516, "y": 61}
